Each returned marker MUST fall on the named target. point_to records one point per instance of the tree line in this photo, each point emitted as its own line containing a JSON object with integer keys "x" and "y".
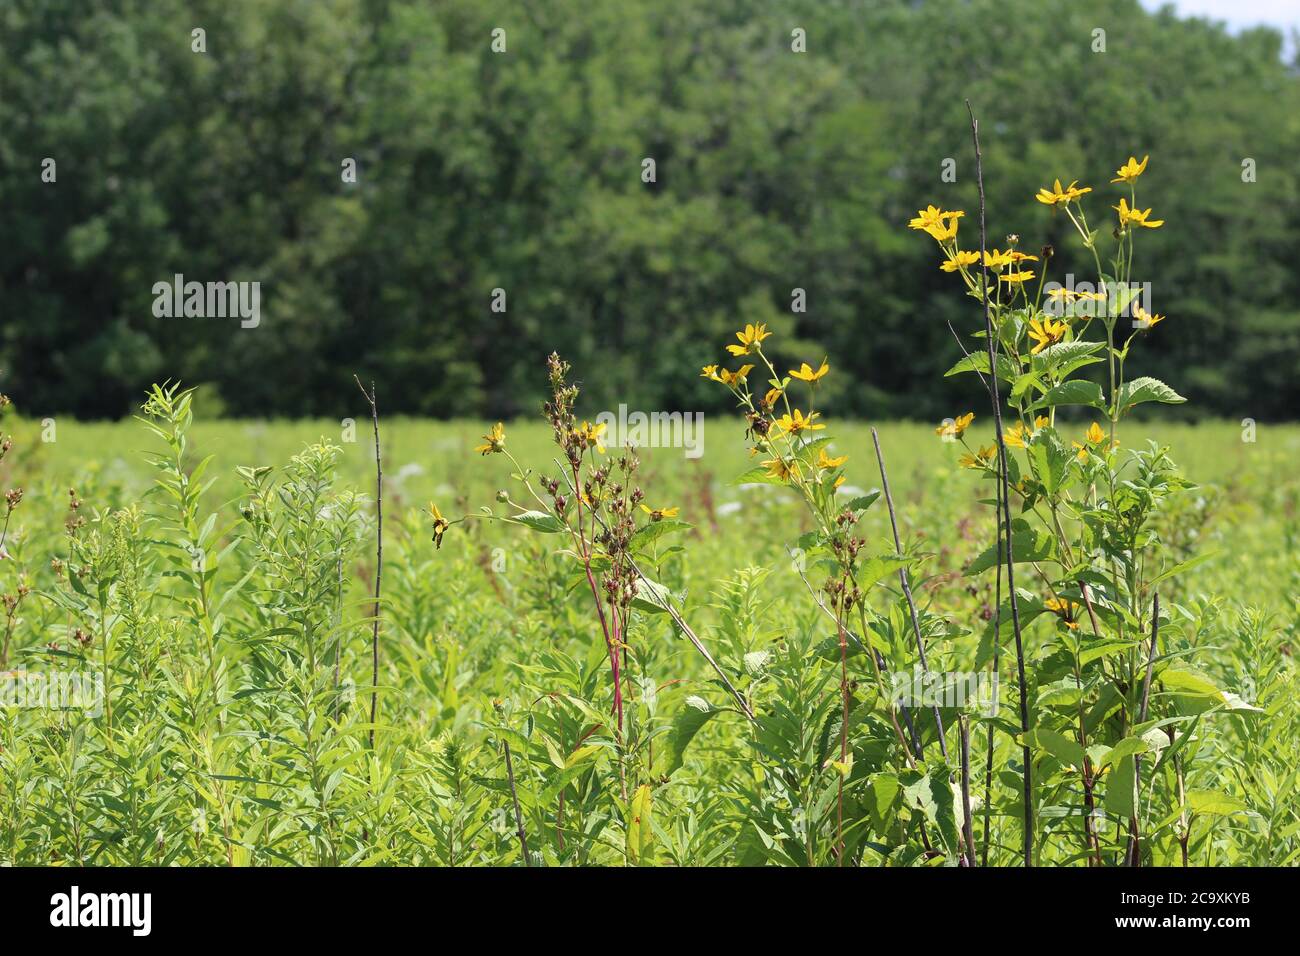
{"x": 437, "y": 195}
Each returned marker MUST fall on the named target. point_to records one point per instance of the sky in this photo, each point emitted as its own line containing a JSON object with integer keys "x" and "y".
{"x": 1283, "y": 14}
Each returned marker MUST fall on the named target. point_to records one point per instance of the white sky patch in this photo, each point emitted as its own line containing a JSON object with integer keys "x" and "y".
{"x": 1283, "y": 15}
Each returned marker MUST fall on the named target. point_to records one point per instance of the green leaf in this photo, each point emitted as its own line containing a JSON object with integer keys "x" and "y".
{"x": 640, "y": 831}
{"x": 1147, "y": 389}
{"x": 979, "y": 362}
{"x": 1125, "y": 748}
{"x": 1119, "y": 789}
{"x": 652, "y": 596}
{"x": 1186, "y": 680}
{"x": 1074, "y": 392}
{"x": 1215, "y": 803}
{"x": 1064, "y": 357}
{"x": 864, "y": 502}
{"x": 757, "y": 476}
{"x": 645, "y": 536}
{"x": 874, "y": 569}
{"x": 1059, "y": 746}
{"x": 695, "y": 713}
{"x": 537, "y": 521}
{"x": 1027, "y": 544}
{"x": 1050, "y": 459}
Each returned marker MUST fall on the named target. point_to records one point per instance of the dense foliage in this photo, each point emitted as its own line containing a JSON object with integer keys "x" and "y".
{"x": 522, "y": 170}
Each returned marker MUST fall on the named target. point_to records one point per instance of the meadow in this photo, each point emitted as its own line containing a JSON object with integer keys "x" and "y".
{"x": 230, "y": 606}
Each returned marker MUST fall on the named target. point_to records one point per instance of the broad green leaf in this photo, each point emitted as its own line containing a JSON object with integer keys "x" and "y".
{"x": 1119, "y": 788}
{"x": 640, "y": 831}
{"x": 652, "y": 532}
{"x": 1077, "y": 391}
{"x": 695, "y": 713}
{"x": 652, "y": 596}
{"x": 1050, "y": 459}
{"x": 979, "y": 362}
{"x": 1027, "y": 544}
{"x": 537, "y": 521}
{"x": 1146, "y": 389}
{"x": 1058, "y": 745}
{"x": 1186, "y": 680}
{"x": 1215, "y": 803}
{"x": 757, "y": 476}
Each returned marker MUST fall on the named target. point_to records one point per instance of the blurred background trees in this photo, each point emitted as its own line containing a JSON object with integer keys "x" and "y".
{"x": 521, "y": 170}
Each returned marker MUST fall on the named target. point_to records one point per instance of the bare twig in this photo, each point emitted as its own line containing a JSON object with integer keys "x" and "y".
{"x": 1134, "y": 825}
{"x": 907, "y": 589}
{"x": 379, "y": 559}
{"x": 1004, "y": 519}
{"x": 964, "y": 726}
{"x": 519, "y": 817}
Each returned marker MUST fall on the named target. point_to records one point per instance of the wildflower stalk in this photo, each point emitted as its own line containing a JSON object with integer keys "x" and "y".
{"x": 514, "y": 796}
{"x": 964, "y": 726}
{"x": 1004, "y": 519}
{"x": 379, "y": 558}
{"x": 907, "y": 589}
{"x": 1135, "y": 826}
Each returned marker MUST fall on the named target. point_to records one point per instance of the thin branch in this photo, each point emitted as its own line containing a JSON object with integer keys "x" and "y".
{"x": 379, "y": 559}
{"x": 1135, "y": 827}
{"x": 1004, "y": 520}
{"x": 964, "y": 726}
{"x": 519, "y": 817}
{"x": 907, "y": 588}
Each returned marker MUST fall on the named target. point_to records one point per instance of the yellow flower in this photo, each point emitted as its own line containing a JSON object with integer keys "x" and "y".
{"x": 1016, "y": 435}
{"x": 796, "y": 424}
{"x": 711, "y": 373}
{"x": 932, "y": 216}
{"x": 1139, "y": 216}
{"x": 956, "y": 427}
{"x": 825, "y": 462}
{"x": 996, "y": 259}
{"x": 440, "y": 524}
{"x": 943, "y": 233}
{"x": 658, "y": 514}
{"x": 1094, "y": 296}
{"x": 592, "y": 436}
{"x": 1145, "y": 319}
{"x": 1131, "y": 170}
{"x": 736, "y": 377}
{"x": 772, "y": 395}
{"x": 778, "y": 468}
{"x": 1024, "y": 275}
{"x": 1093, "y": 436}
{"x": 1067, "y": 611}
{"x": 1045, "y": 332}
{"x": 959, "y": 260}
{"x": 980, "y": 459}
{"x": 1022, "y": 257}
{"x": 749, "y": 339}
{"x": 806, "y": 373}
{"x": 495, "y": 439}
{"x": 1060, "y": 196}
{"x": 1062, "y": 294}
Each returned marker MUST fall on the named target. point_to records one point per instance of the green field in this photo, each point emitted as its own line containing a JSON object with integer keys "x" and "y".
{"x": 253, "y": 755}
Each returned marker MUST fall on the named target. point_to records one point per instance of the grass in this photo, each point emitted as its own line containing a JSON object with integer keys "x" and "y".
{"x": 226, "y": 738}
